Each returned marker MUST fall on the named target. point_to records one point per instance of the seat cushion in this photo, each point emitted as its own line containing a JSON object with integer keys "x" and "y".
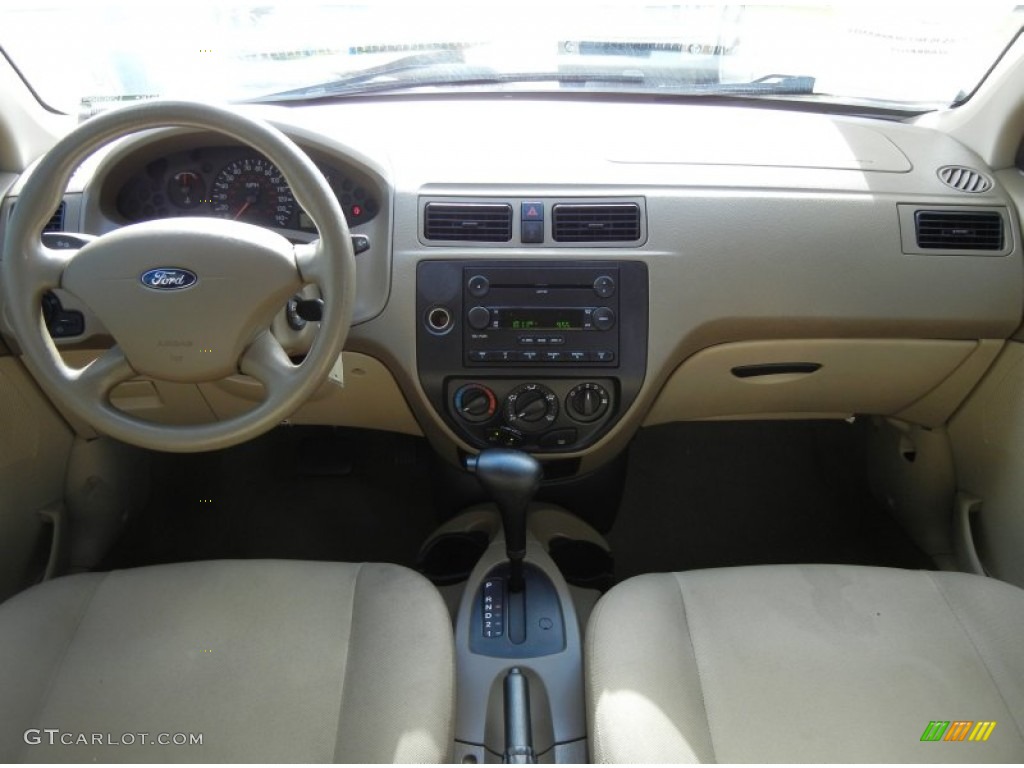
{"x": 268, "y": 661}
{"x": 805, "y": 664}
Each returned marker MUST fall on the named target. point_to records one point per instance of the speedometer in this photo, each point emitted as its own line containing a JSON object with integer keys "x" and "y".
{"x": 253, "y": 190}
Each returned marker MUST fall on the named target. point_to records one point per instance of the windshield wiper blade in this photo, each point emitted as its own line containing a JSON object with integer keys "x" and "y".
{"x": 780, "y": 85}
{"x": 368, "y": 82}
{"x": 352, "y": 80}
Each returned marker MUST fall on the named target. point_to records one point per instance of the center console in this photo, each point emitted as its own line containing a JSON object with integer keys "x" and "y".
{"x": 541, "y": 356}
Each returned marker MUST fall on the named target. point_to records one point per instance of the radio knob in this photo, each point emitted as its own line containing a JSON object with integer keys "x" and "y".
{"x": 478, "y": 285}
{"x": 479, "y": 318}
{"x": 588, "y": 402}
{"x": 531, "y": 407}
{"x": 604, "y": 286}
{"x": 604, "y": 318}
{"x": 475, "y": 403}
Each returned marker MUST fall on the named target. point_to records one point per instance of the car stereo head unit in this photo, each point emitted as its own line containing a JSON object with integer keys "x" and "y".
{"x": 540, "y": 317}
{"x": 543, "y": 356}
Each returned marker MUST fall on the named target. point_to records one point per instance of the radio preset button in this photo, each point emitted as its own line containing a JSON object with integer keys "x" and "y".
{"x": 602, "y": 356}
{"x": 578, "y": 356}
{"x": 479, "y": 318}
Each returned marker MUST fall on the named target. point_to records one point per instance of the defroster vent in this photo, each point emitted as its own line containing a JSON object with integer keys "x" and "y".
{"x": 476, "y": 222}
{"x": 966, "y": 231}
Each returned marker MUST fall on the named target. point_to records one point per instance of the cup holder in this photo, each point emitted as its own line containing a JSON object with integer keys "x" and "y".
{"x": 450, "y": 557}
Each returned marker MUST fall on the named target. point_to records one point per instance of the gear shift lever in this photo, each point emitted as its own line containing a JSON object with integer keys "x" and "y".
{"x": 511, "y": 478}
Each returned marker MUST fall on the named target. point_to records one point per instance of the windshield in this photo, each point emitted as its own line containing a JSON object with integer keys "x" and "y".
{"x": 79, "y": 56}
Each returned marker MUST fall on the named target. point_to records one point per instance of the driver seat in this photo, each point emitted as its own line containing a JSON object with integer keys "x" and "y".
{"x": 267, "y": 661}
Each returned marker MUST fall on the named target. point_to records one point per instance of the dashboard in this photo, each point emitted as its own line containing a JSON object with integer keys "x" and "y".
{"x": 534, "y": 274}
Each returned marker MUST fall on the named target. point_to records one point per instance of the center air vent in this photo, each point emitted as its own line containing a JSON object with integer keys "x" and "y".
{"x": 596, "y": 223}
{"x": 967, "y": 231}
{"x": 476, "y": 222}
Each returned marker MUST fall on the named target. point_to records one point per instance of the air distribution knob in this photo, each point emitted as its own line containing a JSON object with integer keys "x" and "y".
{"x": 531, "y": 407}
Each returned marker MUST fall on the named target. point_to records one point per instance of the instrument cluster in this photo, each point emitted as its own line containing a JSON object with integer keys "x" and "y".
{"x": 233, "y": 183}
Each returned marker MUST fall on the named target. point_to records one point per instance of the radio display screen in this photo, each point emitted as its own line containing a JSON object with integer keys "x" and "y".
{"x": 541, "y": 319}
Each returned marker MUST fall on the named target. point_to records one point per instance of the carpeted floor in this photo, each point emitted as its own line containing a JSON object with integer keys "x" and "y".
{"x": 305, "y": 493}
{"x": 711, "y": 494}
{"x": 696, "y": 496}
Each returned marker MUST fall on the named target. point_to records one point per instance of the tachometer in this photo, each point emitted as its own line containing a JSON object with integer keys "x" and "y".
{"x": 252, "y": 189}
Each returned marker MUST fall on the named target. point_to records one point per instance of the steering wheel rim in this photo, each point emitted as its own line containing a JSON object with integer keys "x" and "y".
{"x": 29, "y": 269}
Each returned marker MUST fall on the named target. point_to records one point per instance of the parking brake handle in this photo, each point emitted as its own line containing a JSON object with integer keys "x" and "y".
{"x": 518, "y": 730}
{"x": 511, "y": 478}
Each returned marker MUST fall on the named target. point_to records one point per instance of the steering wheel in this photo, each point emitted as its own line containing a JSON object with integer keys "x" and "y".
{"x": 186, "y": 299}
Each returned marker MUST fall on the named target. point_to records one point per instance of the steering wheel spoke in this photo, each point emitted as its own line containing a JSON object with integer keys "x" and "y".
{"x": 267, "y": 362}
{"x": 96, "y": 380}
{"x": 44, "y": 267}
{"x": 308, "y": 260}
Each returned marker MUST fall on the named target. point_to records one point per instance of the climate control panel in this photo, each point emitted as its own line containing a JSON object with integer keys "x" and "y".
{"x": 542, "y": 356}
{"x": 539, "y": 415}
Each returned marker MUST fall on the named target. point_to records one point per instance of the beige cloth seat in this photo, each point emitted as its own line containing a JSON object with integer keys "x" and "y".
{"x": 805, "y": 664}
{"x": 269, "y": 661}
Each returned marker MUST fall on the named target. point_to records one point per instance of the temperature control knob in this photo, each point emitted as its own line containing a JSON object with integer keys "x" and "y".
{"x": 531, "y": 407}
{"x": 588, "y": 402}
{"x": 475, "y": 403}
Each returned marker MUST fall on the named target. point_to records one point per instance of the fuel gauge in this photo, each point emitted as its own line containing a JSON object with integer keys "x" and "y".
{"x": 186, "y": 189}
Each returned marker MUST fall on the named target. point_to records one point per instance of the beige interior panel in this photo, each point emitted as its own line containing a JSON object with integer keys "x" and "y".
{"x": 370, "y": 398}
{"x": 873, "y": 376}
{"x": 987, "y": 436}
{"x": 34, "y": 451}
{"x": 936, "y": 407}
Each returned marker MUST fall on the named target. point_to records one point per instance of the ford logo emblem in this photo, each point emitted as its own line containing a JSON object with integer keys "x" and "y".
{"x": 168, "y": 279}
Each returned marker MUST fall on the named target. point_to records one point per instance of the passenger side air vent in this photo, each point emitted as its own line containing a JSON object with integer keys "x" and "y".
{"x": 595, "y": 223}
{"x": 967, "y": 231}
{"x": 964, "y": 179}
{"x": 56, "y": 222}
{"x": 476, "y": 222}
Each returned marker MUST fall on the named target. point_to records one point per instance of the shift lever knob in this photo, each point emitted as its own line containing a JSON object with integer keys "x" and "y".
{"x": 511, "y": 478}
